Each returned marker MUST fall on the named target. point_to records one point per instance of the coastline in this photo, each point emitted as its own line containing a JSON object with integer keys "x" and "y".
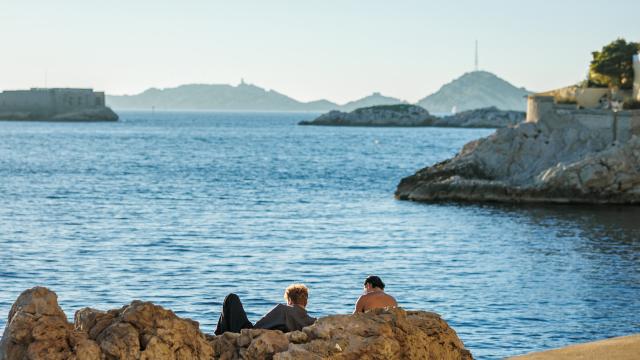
{"x": 619, "y": 348}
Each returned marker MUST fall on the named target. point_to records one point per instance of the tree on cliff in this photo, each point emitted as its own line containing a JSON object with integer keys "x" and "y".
{"x": 612, "y": 66}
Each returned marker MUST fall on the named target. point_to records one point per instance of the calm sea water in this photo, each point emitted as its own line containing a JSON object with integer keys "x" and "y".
{"x": 183, "y": 208}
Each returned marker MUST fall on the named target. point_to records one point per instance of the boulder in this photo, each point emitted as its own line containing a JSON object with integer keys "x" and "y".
{"x": 532, "y": 162}
{"x": 37, "y": 328}
{"x": 142, "y": 330}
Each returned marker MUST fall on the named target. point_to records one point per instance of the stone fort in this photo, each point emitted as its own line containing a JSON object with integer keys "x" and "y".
{"x": 49, "y": 102}
{"x": 566, "y": 107}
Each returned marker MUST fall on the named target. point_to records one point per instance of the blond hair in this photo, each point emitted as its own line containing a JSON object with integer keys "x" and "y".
{"x": 297, "y": 294}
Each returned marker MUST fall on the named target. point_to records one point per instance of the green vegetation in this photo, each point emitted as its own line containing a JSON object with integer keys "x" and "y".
{"x": 612, "y": 66}
{"x": 397, "y": 107}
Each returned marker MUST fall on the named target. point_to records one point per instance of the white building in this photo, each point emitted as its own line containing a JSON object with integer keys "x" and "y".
{"x": 636, "y": 78}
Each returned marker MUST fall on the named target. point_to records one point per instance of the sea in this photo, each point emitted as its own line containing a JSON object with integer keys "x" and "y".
{"x": 182, "y": 208}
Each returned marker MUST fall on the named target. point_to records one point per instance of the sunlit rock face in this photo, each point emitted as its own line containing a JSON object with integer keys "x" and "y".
{"x": 38, "y": 329}
{"x": 535, "y": 162}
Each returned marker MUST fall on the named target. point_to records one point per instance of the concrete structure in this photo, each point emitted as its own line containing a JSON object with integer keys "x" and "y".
{"x": 611, "y": 125}
{"x": 636, "y": 78}
{"x": 44, "y": 104}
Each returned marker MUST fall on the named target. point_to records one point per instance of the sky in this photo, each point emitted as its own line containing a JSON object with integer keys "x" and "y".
{"x": 338, "y": 50}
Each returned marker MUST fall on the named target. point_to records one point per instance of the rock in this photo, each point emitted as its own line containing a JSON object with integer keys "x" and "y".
{"x": 143, "y": 330}
{"x": 38, "y": 329}
{"x": 533, "y": 162}
{"x": 100, "y": 114}
{"x": 378, "y": 334}
{"x": 401, "y": 115}
{"x": 93, "y": 114}
{"x": 490, "y": 117}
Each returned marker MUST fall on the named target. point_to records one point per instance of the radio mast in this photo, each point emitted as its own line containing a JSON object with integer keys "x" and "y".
{"x": 476, "y": 60}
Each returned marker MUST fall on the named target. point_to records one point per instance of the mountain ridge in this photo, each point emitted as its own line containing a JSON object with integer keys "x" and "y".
{"x": 478, "y": 89}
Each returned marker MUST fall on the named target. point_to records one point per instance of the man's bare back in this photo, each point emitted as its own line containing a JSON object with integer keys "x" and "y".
{"x": 374, "y": 296}
{"x": 375, "y": 299}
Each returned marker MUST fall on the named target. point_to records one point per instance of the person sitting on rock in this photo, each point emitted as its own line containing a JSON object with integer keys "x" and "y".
{"x": 290, "y": 317}
{"x": 374, "y": 296}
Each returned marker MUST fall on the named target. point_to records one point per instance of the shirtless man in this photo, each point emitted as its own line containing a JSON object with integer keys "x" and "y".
{"x": 374, "y": 296}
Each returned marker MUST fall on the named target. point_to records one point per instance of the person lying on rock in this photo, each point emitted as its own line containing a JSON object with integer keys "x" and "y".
{"x": 374, "y": 296}
{"x": 286, "y": 318}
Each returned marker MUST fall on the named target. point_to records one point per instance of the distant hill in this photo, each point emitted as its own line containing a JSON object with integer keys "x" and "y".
{"x": 474, "y": 90}
{"x": 371, "y": 100}
{"x": 216, "y": 97}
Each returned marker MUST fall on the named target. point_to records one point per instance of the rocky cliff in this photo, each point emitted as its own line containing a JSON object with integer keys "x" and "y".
{"x": 38, "y": 329}
{"x": 382, "y": 115}
{"x": 533, "y": 162}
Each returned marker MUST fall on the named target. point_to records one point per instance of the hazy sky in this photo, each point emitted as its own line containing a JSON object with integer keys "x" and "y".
{"x": 339, "y": 50}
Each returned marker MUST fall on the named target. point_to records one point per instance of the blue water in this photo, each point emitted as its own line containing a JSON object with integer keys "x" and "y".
{"x": 182, "y": 208}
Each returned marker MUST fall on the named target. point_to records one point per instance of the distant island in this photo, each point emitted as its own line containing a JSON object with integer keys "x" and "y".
{"x": 406, "y": 115}
{"x": 57, "y": 104}
{"x": 478, "y": 89}
{"x": 475, "y": 90}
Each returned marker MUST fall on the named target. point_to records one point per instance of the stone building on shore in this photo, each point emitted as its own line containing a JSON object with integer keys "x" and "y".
{"x": 55, "y": 104}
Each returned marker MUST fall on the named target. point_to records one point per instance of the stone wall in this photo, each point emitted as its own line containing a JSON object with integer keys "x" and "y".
{"x": 49, "y": 102}
{"x": 608, "y": 125}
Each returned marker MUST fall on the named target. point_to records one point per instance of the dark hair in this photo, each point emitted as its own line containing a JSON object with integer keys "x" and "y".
{"x": 374, "y": 281}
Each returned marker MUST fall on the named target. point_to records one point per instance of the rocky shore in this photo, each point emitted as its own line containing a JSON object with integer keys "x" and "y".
{"x": 37, "y": 328}
{"x": 405, "y": 115}
{"x": 99, "y": 114}
{"x": 546, "y": 161}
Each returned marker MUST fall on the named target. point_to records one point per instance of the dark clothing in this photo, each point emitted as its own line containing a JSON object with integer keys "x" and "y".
{"x": 285, "y": 318}
{"x": 233, "y": 318}
{"x": 282, "y": 317}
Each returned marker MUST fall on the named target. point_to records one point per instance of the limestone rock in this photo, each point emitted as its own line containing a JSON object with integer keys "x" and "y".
{"x": 38, "y": 329}
{"x": 378, "y": 334}
{"x": 380, "y": 115}
{"x": 535, "y": 163}
{"x": 142, "y": 330}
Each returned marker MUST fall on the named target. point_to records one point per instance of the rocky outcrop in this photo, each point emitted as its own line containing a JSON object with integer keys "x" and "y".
{"x": 378, "y": 334}
{"x": 38, "y": 329}
{"x": 534, "y": 162}
{"x": 411, "y": 115}
{"x": 490, "y": 117}
{"x": 382, "y": 115}
{"x": 96, "y": 114}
